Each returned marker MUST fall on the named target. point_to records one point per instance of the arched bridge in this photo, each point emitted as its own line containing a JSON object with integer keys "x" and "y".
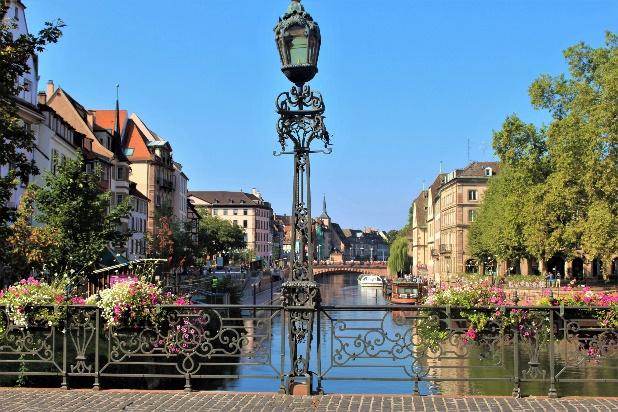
{"x": 374, "y": 269}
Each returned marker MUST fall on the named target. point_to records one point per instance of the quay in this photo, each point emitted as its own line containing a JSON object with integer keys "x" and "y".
{"x": 51, "y": 400}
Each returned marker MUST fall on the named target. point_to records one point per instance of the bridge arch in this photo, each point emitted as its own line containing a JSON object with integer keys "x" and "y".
{"x": 320, "y": 270}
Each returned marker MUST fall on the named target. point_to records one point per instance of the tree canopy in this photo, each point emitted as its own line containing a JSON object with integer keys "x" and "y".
{"x": 398, "y": 260}
{"x": 73, "y": 205}
{"x": 217, "y": 236}
{"x": 557, "y": 192}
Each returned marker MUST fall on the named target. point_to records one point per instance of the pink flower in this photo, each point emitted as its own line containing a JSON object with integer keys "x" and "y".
{"x": 471, "y": 334}
{"x": 78, "y": 300}
{"x": 59, "y": 299}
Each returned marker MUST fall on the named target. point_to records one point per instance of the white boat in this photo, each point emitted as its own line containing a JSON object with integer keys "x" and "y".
{"x": 370, "y": 280}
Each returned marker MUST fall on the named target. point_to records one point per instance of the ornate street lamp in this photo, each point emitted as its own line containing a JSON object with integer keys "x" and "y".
{"x": 298, "y": 40}
{"x": 301, "y": 122}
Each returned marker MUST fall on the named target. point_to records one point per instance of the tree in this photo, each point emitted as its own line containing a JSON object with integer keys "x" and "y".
{"x": 508, "y": 205}
{"x": 73, "y": 204}
{"x": 217, "y": 236}
{"x": 15, "y": 140}
{"x": 30, "y": 248}
{"x": 391, "y": 235}
{"x": 557, "y": 190}
{"x": 398, "y": 260}
{"x": 583, "y": 143}
{"x": 172, "y": 239}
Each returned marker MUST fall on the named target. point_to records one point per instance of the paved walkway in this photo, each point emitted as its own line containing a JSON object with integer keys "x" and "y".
{"x": 49, "y": 400}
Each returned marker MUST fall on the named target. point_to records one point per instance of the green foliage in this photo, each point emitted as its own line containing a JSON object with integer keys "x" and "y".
{"x": 74, "y": 206}
{"x": 217, "y": 236}
{"x": 398, "y": 260}
{"x": 15, "y": 140}
{"x": 556, "y": 192}
{"x": 172, "y": 239}
{"x": 391, "y": 235}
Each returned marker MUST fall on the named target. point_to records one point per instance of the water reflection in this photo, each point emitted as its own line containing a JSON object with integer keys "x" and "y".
{"x": 353, "y": 345}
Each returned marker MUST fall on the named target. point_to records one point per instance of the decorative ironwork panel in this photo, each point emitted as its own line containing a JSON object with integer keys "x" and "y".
{"x": 384, "y": 343}
{"x": 30, "y": 347}
{"x": 196, "y": 342}
{"x": 588, "y": 348}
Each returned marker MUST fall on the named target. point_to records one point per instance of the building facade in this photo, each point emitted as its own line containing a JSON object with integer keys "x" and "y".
{"x": 246, "y": 210}
{"x": 152, "y": 169}
{"x": 441, "y": 217}
{"x": 137, "y": 223}
{"x": 101, "y": 147}
{"x": 26, "y": 100}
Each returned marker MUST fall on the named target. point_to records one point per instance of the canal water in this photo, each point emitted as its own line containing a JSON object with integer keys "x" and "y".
{"x": 344, "y": 356}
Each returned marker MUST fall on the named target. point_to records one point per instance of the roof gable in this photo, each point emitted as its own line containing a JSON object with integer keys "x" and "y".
{"x": 75, "y": 114}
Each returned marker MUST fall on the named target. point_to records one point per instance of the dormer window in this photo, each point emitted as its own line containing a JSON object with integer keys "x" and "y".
{"x": 488, "y": 171}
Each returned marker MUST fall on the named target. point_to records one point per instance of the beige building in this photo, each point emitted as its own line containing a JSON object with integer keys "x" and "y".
{"x": 441, "y": 216}
{"x": 152, "y": 168}
{"x": 247, "y": 210}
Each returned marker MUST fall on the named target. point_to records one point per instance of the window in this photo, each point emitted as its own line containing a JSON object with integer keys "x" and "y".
{"x": 89, "y": 168}
{"x": 16, "y": 14}
{"x": 119, "y": 198}
{"x": 158, "y": 201}
{"x": 224, "y": 212}
{"x": 54, "y": 161}
{"x": 488, "y": 171}
{"x": 471, "y": 215}
{"x": 471, "y": 194}
{"x": 235, "y": 212}
{"x": 104, "y": 173}
{"x": 120, "y": 173}
{"x": 244, "y": 223}
{"x": 245, "y": 212}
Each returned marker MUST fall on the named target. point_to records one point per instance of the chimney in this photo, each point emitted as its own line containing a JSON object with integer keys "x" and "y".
{"x": 90, "y": 120}
{"x": 42, "y": 98}
{"x": 50, "y": 88}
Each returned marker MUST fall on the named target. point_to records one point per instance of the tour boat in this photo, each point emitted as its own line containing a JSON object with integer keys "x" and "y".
{"x": 370, "y": 280}
{"x": 407, "y": 291}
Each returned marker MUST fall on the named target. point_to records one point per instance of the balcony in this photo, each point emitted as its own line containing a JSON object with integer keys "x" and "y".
{"x": 445, "y": 248}
{"x": 166, "y": 183}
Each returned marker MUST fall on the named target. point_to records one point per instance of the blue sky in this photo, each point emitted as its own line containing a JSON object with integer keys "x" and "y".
{"x": 406, "y": 84}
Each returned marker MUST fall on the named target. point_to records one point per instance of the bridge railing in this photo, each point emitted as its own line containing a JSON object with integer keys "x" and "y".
{"x": 425, "y": 346}
{"x": 432, "y": 345}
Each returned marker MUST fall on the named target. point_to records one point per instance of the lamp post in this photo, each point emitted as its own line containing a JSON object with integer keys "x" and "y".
{"x": 300, "y": 123}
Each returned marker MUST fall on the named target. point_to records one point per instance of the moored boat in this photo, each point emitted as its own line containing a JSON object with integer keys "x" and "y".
{"x": 408, "y": 291}
{"x": 370, "y": 281}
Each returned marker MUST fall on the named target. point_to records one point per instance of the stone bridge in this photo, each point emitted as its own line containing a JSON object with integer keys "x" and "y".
{"x": 378, "y": 269}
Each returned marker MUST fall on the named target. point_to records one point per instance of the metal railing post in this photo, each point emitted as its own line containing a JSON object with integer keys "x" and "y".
{"x": 65, "y": 343}
{"x": 553, "y": 393}
{"x": 516, "y": 380}
{"x": 96, "y": 386}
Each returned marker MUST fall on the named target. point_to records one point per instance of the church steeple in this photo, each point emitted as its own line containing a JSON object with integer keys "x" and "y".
{"x": 324, "y": 214}
{"x": 324, "y": 205}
